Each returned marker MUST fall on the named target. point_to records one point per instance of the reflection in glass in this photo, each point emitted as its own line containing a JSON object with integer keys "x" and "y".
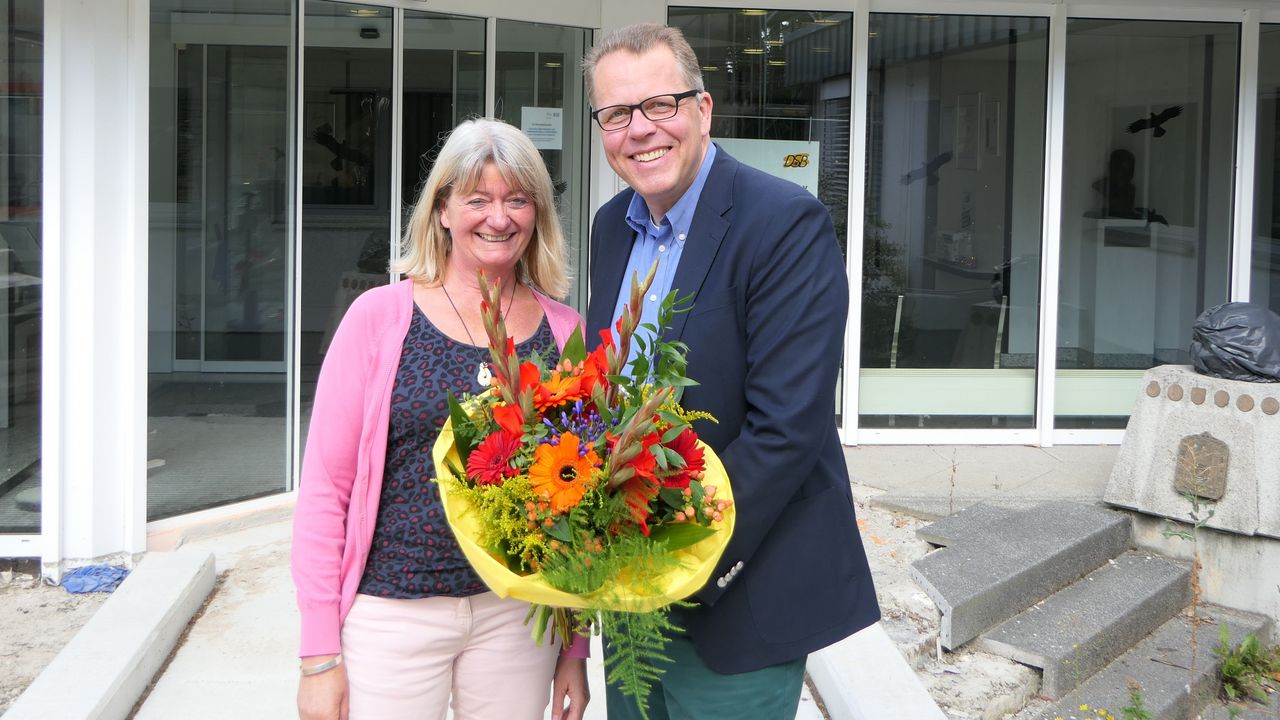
{"x": 952, "y": 225}
{"x": 219, "y": 259}
{"x": 538, "y": 89}
{"x": 346, "y": 170}
{"x": 1265, "y": 281}
{"x": 443, "y": 85}
{"x": 781, "y": 83}
{"x": 1146, "y": 206}
{"x": 21, "y": 114}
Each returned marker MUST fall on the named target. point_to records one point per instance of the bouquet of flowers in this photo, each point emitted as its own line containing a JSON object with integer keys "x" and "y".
{"x": 574, "y": 485}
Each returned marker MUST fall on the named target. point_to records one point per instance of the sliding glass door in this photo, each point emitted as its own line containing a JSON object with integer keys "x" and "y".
{"x": 952, "y": 224}
{"x": 1146, "y": 204}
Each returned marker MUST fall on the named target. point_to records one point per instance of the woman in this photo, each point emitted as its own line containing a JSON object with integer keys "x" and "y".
{"x": 394, "y": 620}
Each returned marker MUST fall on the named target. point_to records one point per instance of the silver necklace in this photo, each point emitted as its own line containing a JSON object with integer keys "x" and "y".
{"x": 483, "y": 373}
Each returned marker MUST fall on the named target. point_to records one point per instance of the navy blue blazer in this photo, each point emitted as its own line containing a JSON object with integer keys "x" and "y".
{"x": 765, "y": 338}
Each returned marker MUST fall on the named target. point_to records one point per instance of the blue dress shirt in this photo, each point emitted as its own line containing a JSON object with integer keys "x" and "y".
{"x": 664, "y": 242}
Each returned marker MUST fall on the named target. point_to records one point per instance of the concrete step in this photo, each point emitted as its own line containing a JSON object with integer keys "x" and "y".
{"x": 1080, "y": 629}
{"x": 996, "y": 562}
{"x": 1177, "y": 677}
{"x": 107, "y": 666}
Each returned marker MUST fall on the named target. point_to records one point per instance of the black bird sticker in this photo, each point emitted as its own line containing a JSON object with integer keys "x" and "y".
{"x": 1155, "y": 121}
{"x": 341, "y": 151}
{"x": 927, "y": 170}
{"x": 1154, "y": 217}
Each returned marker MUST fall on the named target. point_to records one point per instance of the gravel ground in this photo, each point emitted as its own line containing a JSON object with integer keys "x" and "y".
{"x": 36, "y": 620}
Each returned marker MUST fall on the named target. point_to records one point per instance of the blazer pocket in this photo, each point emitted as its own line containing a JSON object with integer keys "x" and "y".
{"x": 715, "y": 301}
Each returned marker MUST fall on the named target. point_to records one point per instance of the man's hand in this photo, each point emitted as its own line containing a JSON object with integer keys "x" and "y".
{"x": 323, "y": 696}
{"x": 570, "y": 682}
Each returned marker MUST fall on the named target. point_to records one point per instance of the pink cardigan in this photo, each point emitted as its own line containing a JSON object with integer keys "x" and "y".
{"x": 346, "y": 448}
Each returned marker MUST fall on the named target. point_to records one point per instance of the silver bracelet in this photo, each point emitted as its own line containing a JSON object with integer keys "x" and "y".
{"x": 325, "y": 666}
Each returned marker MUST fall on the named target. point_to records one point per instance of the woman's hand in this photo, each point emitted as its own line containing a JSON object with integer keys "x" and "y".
{"x": 570, "y": 682}
{"x": 323, "y": 696}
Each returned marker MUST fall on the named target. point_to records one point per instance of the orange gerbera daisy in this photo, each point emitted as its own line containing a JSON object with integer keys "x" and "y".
{"x": 562, "y": 475}
{"x": 557, "y": 390}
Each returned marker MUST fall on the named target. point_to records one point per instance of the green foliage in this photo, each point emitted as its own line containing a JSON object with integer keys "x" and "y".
{"x": 1247, "y": 670}
{"x": 1136, "y": 709}
{"x": 681, "y": 535}
{"x": 1201, "y": 512}
{"x": 637, "y": 645}
{"x": 575, "y": 349}
{"x": 659, "y": 363}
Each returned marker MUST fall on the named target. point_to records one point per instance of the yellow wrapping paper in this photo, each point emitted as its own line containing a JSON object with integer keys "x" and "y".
{"x": 697, "y": 561}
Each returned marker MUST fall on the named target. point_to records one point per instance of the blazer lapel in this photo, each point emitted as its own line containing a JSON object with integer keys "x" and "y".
{"x": 608, "y": 265}
{"x": 706, "y": 233}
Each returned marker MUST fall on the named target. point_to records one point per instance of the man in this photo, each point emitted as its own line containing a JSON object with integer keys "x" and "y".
{"x": 760, "y": 257}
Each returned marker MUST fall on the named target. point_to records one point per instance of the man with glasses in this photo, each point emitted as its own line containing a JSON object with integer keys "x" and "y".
{"x": 765, "y": 333}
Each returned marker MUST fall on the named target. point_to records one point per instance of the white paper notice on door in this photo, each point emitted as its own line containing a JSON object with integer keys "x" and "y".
{"x": 544, "y": 126}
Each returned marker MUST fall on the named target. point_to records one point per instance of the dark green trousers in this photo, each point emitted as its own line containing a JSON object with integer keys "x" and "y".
{"x": 692, "y": 691}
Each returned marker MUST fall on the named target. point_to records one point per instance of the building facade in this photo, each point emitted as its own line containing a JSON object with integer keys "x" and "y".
{"x": 1035, "y": 200}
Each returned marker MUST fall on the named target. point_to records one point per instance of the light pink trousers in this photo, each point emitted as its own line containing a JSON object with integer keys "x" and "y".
{"x": 404, "y": 659}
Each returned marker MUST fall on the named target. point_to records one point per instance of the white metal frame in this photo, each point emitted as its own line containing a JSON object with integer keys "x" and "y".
{"x": 54, "y": 126}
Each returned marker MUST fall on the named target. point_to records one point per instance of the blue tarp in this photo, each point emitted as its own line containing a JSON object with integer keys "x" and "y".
{"x": 93, "y": 578}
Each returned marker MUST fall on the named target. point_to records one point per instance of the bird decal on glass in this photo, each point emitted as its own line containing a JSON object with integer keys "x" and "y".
{"x": 927, "y": 170}
{"x": 341, "y": 151}
{"x": 1155, "y": 121}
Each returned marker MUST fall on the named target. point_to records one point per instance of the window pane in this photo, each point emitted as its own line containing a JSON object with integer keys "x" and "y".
{"x": 21, "y": 114}
{"x": 346, "y": 170}
{"x": 538, "y": 89}
{"x": 1265, "y": 283}
{"x": 1146, "y": 206}
{"x": 220, "y": 212}
{"x": 781, "y": 84}
{"x": 443, "y": 85}
{"x": 952, "y": 226}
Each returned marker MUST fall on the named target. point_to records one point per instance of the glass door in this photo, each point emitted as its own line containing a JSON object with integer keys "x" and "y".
{"x": 221, "y": 212}
{"x": 1264, "y": 287}
{"x": 1146, "y": 204}
{"x": 351, "y": 194}
{"x": 952, "y": 222}
{"x": 538, "y": 88}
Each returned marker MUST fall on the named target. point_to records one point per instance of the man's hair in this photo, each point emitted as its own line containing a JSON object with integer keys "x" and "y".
{"x": 638, "y": 39}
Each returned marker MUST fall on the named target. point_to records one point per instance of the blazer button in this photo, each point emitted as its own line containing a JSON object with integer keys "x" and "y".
{"x": 721, "y": 583}
{"x": 738, "y": 566}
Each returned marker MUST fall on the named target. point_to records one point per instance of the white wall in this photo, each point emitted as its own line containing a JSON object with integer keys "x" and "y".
{"x": 94, "y": 432}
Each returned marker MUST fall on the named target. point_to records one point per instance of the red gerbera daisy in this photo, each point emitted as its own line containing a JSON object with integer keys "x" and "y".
{"x": 490, "y": 462}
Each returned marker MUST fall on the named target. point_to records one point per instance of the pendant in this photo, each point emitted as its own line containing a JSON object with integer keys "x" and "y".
{"x": 484, "y": 375}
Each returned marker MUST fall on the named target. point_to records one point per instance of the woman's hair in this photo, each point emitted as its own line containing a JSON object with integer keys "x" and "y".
{"x": 641, "y": 38}
{"x": 472, "y": 145}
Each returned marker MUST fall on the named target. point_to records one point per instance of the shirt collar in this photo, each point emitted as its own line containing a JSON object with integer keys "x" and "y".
{"x": 680, "y": 216}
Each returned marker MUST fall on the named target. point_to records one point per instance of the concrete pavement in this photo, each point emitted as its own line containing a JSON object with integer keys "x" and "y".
{"x": 238, "y": 658}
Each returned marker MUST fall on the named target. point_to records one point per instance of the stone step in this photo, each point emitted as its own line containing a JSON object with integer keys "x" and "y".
{"x": 997, "y": 562}
{"x": 1175, "y": 681}
{"x": 1078, "y": 630}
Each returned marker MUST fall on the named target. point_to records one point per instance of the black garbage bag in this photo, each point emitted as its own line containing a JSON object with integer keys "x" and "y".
{"x": 1237, "y": 341}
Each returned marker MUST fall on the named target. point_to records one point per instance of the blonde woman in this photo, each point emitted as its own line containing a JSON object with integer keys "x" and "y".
{"x": 395, "y": 623}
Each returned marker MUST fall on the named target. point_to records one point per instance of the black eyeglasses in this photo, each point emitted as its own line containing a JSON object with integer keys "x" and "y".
{"x": 658, "y": 107}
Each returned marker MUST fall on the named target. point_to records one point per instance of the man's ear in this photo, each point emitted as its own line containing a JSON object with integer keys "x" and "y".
{"x": 704, "y": 105}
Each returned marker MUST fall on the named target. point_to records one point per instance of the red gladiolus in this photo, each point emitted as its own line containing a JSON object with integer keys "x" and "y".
{"x": 490, "y": 462}
{"x": 686, "y": 446}
{"x": 509, "y": 419}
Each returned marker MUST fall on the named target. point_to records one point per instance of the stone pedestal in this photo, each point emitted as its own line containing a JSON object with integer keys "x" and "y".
{"x": 1216, "y": 439}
